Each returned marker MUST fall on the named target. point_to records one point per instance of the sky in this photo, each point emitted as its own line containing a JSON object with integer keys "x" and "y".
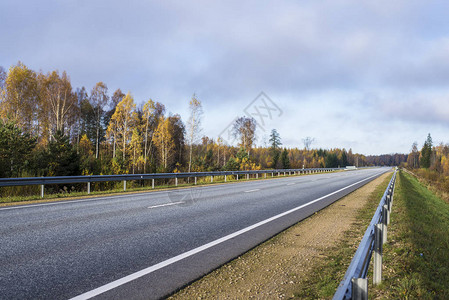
{"x": 372, "y": 76}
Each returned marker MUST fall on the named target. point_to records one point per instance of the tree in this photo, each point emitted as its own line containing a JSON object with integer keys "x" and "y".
{"x": 194, "y": 124}
{"x": 285, "y": 160}
{"x": 163, "y": 139}
{"x": 2, "y": 85}
{"x": 331, "y": 160}
{"x": 413, "y": 158}
{"x": 275, "y": 141}
{"x": 60, "y": 159}
{"x": 148, "y": 118}
{"x": 122, "y": 122}
{"x": 15, "y": 149}
{"x": 245, "y": 129}
{"x": 2, "y": 77}
{"x": 58, "y": 102}
{"x": 136, "y": 150}
{"x": 308, "y": 142}
{"x": 20, "y": 97}
{"x": 99, "y": 100}
{"x": 178, "y": 132}
{"x": 426, "y": 152}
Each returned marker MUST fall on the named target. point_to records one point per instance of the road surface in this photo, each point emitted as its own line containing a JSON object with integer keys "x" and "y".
{"x": 147, "y": 245}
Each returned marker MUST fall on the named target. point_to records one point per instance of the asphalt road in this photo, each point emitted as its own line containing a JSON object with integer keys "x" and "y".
{"x": 145, "y": 246}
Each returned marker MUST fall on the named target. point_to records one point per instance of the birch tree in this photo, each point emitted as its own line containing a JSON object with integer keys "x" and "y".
{"x": 122, "y": 121}
{"x": 163, "y": 139}
{"x": 99, "y": 100}
{"x": 194, "y": 125}
{"x": 245, "y": 129}
{"x": 19, "y": 96}
{"x": 58, "y": 101}
{"x": 148, "y": 116}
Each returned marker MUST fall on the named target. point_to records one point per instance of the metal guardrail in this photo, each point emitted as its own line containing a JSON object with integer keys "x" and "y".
{"x": 355, "y": 283}
{"x": 126, "y": 177}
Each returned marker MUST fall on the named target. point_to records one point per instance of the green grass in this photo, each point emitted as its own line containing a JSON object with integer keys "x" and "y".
{"x": 328, "y": 274}
{"x": 416, "y": 257}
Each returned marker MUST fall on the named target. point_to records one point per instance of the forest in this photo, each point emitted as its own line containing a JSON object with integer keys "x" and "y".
{"x": 431, "y": 163}
{"x": 49, "y": 128}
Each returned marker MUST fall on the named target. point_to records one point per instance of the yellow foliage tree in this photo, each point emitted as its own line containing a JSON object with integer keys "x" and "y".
{"x": 163, "y": 139}
{"x": 136, "y": 150}
{"x": 122, "y": 122}
{"x": 20, "y": 97}
{"x": 148, "y": 111}
{"x": 86, "y": 147}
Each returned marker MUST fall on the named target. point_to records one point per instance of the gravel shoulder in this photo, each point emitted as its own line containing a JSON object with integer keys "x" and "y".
{"x": 276, "y": 268}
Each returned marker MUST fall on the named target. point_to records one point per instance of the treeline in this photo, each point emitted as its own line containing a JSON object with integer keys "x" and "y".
{"x": 387, "y": 159}
{"x": 48, "y": 128}
{"x": 431, "y": 162}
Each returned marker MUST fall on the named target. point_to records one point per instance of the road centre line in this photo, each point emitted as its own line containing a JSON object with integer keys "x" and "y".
{"x": 250, "y": 191}
{"x": 151, "y": 269}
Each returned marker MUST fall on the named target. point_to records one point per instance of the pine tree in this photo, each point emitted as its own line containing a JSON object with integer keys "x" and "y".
{"x": 426, "y": 152}
{"x": 275, "y": 140}
{"x": 285, "y": 160}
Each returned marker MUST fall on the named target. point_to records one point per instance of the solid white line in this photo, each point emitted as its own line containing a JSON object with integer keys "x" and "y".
{"x": 131, "y": 277}
{"x": 166, "y": 204}
{"x": 250, "y": 191}
{"x": 292, "y": 183}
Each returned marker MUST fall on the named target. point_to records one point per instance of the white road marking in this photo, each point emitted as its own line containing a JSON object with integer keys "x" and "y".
{"x": 292, "y": 183}
{"x": 141, "y": 273}
{"x": 151, "y": 193}
{"x": 166, "y": 204}
{"x": 250, "y": 191}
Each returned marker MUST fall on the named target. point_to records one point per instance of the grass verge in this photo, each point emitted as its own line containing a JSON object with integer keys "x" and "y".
{"x": 323, "y": 282}
{"x": 416, "y": 257}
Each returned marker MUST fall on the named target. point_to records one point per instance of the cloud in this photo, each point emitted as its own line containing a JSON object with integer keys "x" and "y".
{"x": 352, "y": 65}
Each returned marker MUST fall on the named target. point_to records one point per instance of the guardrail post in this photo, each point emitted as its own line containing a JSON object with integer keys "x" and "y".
{"x": 176, "y": 181}
{"x": 42, "y": 191}
{"x": 265, "y": 175}
{"x": 359, "y": 288}
{"x": 195, "y": 180}
{"x": 124, "y": 185}
{"x": 225, "y": 178}
{"x": 279, "y": 174}
{"x": 212, "y": 179}
{"x": 247, "y": 176}
{"x": 386, "y": 215}
{"x": 257, "y": 175}
{"x": 88, "y": 188}
{"x": 284, "y": 173}
{"x": 377, "y": 263}
{"x": 389, "y": 202}
{"x": 272, "y": 174}
{"x": 152, "y": 183}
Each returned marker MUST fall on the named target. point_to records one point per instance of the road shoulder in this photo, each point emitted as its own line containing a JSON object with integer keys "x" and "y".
{"x": 279, "y": 267}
